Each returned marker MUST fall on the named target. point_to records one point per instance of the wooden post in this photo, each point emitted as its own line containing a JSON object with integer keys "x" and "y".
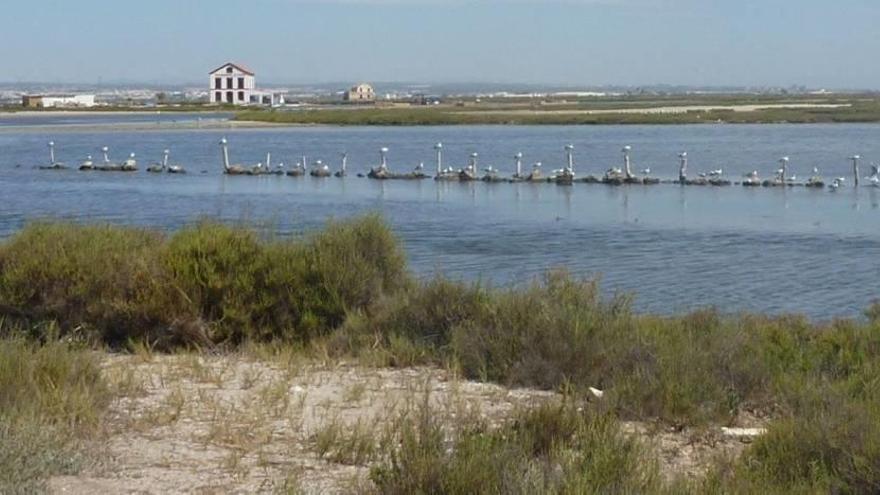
{"x": 626, "y": 164}
{"x": 439, "y": 148}
{"x": 682, "y": 168}
{"x": 569, "y": 149}
{"x": 855, "y": 160}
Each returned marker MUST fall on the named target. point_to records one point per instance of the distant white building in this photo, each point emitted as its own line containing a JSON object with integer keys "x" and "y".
{"x": 235, "y": 84}
{"x": 361, "y": 93}
{"x": 57, "y": 101}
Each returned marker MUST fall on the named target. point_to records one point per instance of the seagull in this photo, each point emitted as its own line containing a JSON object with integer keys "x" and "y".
{"x": 646, "y": 171}
{"x": 816, "y": 170}
{"x": 420, "y": 167}
{"x": 836, "y": 183}
{"x": 716, "y": 172}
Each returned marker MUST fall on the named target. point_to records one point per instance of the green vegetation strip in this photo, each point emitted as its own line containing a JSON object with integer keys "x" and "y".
{"x": 859, "y": 110}
{"x": 346, "y": 291}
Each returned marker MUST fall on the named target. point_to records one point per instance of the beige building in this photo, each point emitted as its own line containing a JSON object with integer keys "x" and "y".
{"x": 361, "y": 93}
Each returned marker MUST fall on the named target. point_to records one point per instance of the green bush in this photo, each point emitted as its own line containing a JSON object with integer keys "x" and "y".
{"x": 204, "y": 285}
{"x": 551, "y": 449}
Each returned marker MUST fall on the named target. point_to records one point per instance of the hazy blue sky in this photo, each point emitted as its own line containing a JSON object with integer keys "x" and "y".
{"x": 820, "y": 43}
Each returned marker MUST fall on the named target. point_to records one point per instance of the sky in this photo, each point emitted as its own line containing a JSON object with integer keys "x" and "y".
{"x": 817, "y": 43}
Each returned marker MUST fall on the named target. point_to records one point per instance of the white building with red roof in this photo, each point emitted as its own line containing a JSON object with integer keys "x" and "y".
{"x": 232, "y": 84}
{"x": 235, "y": 84}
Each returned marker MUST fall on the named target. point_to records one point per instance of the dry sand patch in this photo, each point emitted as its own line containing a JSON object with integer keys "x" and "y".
{"x": 232, "y": 424}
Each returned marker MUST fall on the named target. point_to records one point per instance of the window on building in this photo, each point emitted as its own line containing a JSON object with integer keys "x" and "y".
{"x": 218, "y": 97}
{"x": 241, "y": 96}
{"x": 240, "y": 83}
{"x": 229, "y": 70}
{"x": 229, "y": 82}
{"x": 218, "y": 83}
{"x": 229, "y": 97}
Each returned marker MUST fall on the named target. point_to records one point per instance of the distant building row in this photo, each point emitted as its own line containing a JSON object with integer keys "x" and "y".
{"x": 57, "y": 101}
{"x": 235, "y": 84}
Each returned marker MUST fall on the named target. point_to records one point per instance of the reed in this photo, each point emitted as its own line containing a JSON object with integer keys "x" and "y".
{"x": 51, "y": 399}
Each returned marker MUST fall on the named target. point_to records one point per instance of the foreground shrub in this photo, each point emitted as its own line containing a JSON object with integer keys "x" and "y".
{"x": 206, "y": 284}
{"x": 559, "y": 332}
{"x": 553, "y": 449}
{"x": 831, "y": 446}
{"x": 51, "y": 397}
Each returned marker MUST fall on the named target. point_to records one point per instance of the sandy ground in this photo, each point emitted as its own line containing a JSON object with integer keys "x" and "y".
{"x": 191, "y": 424}
{"x": 669, "y": 109}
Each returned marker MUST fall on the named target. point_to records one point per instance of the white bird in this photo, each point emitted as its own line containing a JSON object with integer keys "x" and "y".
{"x": 816, "y": 170}
{"x": 646, "y": 171}
{"x": 716, "y": 172}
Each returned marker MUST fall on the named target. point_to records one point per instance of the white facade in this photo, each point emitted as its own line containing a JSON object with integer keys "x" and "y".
{"x": 57, "y": 101}
{"x": 232, "y": 84}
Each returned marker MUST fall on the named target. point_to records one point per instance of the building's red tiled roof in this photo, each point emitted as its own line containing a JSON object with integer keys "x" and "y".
{"x": 237, "y": 66}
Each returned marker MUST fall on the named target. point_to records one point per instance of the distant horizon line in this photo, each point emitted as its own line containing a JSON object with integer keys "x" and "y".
{"x": 498, "y": 85}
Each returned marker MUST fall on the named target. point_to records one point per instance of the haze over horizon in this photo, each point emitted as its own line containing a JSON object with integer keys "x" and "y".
{"x": 551, "y": 42}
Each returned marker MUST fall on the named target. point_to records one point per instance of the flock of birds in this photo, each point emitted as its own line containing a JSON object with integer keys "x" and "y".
{"x": 564, "y": 175}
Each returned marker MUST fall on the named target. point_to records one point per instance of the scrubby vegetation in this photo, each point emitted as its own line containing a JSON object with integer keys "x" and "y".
{"x": 552, "y": 449}
{"x": 346, "y": 291}
{"x": 51, "y": 398}
{"x": 205, "y": 285}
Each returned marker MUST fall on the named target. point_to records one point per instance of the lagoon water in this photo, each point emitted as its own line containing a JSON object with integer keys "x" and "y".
{"x": 676, "y": 248}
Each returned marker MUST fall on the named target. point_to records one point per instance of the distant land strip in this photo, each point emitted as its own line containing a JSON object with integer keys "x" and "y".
{"x": 855, "y": 110}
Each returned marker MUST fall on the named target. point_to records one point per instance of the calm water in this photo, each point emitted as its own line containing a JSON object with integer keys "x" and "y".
{"x": 762, "y": 249}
